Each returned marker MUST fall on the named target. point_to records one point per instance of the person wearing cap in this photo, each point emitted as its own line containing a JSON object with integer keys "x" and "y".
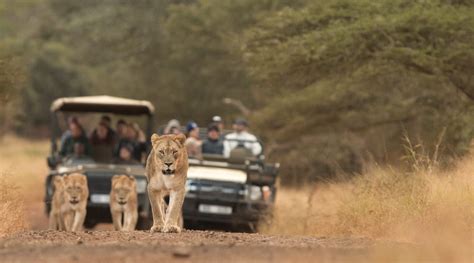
{"x": 213, "y": 144}
{"x": 217, "y": 120}
{"x": 172, "y": 127}
{"x": 241, "y": 137}
{"x": 193, "y": 143}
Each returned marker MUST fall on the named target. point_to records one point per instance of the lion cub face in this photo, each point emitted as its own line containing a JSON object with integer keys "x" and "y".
{"x": 168, "y": 149}
{"x": 123, "y": 188}
{"x": 75, "y": 188}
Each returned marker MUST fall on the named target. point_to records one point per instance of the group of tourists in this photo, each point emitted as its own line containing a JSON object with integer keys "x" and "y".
{"x": 216, "y": 141}
{"x": 124, "y": 145}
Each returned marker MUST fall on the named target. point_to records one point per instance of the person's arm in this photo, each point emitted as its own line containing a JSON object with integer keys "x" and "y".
{"x": 226, "y": 151}
{"x": 62, "y": 150}
{"x": 256, "y": 147}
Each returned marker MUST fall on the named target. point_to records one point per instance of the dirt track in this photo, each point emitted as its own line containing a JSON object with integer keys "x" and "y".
{"x": 189, "y": 246}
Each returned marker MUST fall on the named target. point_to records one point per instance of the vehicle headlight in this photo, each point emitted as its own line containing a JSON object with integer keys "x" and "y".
{"x": 254, "y": 192}
{"x": 141, "y": 186}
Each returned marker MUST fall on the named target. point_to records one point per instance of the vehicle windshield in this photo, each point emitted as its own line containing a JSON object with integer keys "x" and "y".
{"x": 84, "y": 138}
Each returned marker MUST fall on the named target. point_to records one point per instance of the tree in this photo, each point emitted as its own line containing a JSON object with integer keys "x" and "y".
{"x": 364, "y": 69}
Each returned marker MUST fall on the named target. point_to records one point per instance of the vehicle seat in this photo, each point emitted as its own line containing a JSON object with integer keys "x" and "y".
{"x": 239, "y": 155}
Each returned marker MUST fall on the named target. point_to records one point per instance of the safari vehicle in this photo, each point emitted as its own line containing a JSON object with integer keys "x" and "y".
{"x": 238, "y": 191}
{"x": 99, "y": 169}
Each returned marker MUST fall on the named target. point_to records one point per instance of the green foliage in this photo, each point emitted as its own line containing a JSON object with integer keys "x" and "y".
{"x": 368, "y": 69}
{"x": 331, "y": 84}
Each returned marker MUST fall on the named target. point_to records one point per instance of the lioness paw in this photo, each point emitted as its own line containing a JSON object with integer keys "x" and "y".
{"x": 172, "y": 229}
{"x": 156, "y": 229}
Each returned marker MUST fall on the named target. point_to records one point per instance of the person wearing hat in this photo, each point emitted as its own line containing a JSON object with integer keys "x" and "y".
{"x": 217, "y": 120}
{"x": 193, "y": 143}
{"x": 241, "y": 137}
{"x": 213, "y": 144}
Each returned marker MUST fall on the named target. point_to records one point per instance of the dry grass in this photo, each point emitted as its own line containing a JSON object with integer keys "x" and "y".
{"x": 433, "y": 208}
{"x": 22, "y": 172}
{"x": 12, "y": 216}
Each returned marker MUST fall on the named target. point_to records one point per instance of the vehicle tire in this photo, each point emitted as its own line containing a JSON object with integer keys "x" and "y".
{"x": 89, "y": 224}
{"x": 144, "y": 223}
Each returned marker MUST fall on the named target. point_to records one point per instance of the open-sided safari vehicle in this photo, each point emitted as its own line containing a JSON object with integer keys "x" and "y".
{"x": 100, "y": 167}
{"x": 239, "y": 190}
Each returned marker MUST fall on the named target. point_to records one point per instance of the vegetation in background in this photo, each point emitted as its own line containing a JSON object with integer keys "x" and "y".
{"x": 343, "y": 80}
{"x": 330, "y": 84}
{"x": 424, "y": 206}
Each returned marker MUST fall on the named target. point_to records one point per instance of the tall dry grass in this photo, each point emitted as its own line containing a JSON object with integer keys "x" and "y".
{"x": 22, "y": 172}
{"x": 427, "y": 206}
{"x": 12, "y": 217}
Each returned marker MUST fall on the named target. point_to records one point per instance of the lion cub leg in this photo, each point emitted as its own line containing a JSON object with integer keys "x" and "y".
{"x": 53, "y": 220}
{"x": 157, "y": 208}
{"x": 56, "y": 221}
{"x": 79, "y": 218}
{"x": 68, "y": 217}
{"x": 117, "y": 219}
{"x": 130, "y": 220}
{"x": 172, "y": 223}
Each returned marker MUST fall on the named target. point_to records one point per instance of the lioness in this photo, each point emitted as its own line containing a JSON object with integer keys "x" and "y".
{"x": 166, "y": 170}
{"x": 56, "y": 221}
{"x": 75, "y": 195}
{"x": 123, "y": 201}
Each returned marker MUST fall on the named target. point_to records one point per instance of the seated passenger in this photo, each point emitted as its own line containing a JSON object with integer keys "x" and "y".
{"x": 121, "y": 130}
{"x": 78, "y": 155}
{"x": 126, "y": 155}
{"x": 102, "y": 143}
{"x": 105, "y": 119}
{"x": 241, "y": 138}
{"x": 213, "y": 144}
{"x": 77, "y": 135}
{"x": 193, "y": 143}
{"x": 217, "y": 120}
{"x": 101, "y": 135}
{"x": 130, "y": 138}
{"x": 67, "y": 133}
{"x": 140, "y": 135}
{"x": 173, "y": 127}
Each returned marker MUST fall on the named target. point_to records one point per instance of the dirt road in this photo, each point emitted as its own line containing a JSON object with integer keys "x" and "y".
{"x": 189, "y": 246}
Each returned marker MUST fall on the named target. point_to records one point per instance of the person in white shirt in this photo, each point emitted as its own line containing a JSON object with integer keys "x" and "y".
{"x": 241, "y": 134}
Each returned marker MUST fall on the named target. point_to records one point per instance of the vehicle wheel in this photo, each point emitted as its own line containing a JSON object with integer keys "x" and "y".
{"x": 144, "y": 223}
{"x": 89, "y": 224}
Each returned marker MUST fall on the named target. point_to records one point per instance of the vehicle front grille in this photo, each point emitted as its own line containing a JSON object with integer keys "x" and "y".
{"x": 215, "y": 190}
{"x": 99, "y": 183}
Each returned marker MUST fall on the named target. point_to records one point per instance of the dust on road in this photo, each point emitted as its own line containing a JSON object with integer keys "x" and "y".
{"x": 189, "y": 246}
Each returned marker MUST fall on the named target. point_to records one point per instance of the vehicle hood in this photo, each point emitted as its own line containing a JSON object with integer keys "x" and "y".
{"x": 136, "y": 170}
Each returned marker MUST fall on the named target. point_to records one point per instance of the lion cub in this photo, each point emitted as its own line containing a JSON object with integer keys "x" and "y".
{"x": 123, "y": 202}
{"x": 56, "y": 221}
{"x": 76, "y": 193}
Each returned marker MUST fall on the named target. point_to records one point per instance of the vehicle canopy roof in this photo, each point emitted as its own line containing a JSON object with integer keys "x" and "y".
{"x": 106, "y": 104}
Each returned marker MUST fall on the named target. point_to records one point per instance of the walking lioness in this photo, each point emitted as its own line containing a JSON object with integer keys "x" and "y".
{"x": 166, "y": 170}
{"x": 123, "y": 202}
{"x": 76, "y": 193}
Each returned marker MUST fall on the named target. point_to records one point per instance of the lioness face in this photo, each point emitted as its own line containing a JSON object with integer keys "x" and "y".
{"x": 167, "y": 150}
{"x": 75, "y": 188}
{"x": 124, "y": 187}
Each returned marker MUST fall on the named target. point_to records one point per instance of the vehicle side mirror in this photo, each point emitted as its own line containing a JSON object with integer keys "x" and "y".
{"x": 52, "y": 162}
